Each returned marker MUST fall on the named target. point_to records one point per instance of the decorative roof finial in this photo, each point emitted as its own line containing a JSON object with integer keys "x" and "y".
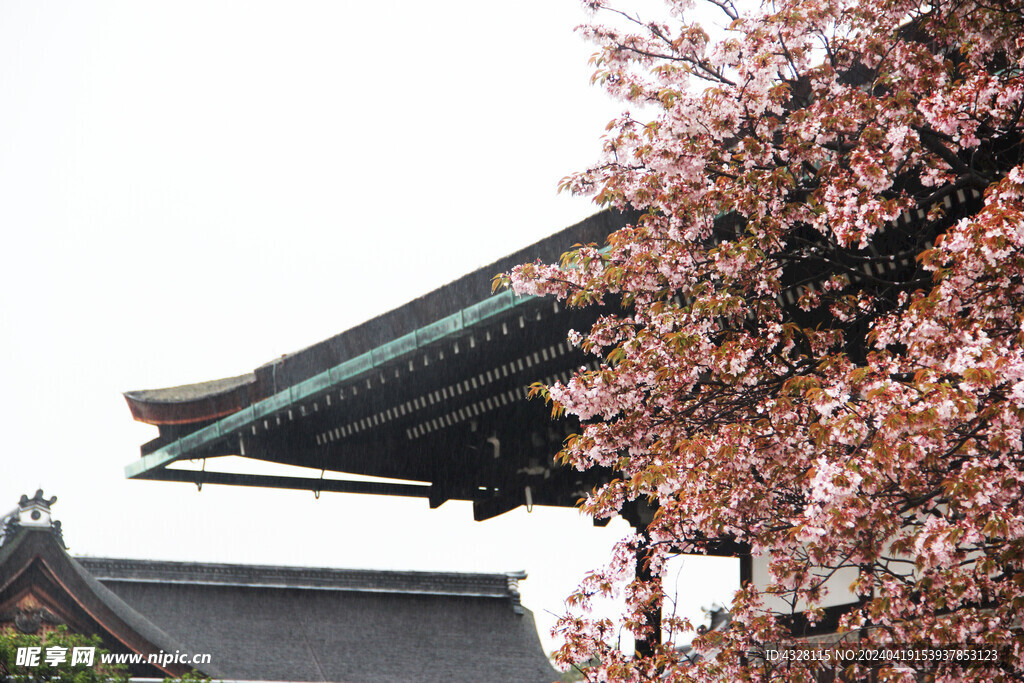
{"x": 31, "y": 513}
{"x": 35, "y": 511}
{"x": 39, "y": 499}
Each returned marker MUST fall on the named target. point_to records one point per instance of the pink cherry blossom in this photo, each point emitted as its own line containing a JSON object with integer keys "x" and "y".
{"x": 820, "y": 357}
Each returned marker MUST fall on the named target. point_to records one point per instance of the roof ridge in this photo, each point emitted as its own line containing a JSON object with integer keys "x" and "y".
{"x": 503, "y": 585}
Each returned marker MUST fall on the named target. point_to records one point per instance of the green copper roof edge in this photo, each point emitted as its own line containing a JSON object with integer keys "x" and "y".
{"x": 375, "y": 357}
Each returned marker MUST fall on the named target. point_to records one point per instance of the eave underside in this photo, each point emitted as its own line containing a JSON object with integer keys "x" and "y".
{"x": 450, "y": 419}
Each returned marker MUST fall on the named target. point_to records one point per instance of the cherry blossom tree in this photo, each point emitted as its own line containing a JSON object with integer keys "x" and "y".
{"x": 811, "y": 339}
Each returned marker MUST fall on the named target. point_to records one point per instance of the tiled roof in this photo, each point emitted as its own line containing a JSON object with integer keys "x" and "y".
{"x": 196, "y": 402}
{"x": 271, "y": 623}
{"x": 305, "y": 624}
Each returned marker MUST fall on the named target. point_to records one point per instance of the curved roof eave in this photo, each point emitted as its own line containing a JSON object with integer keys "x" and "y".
{"x": 192, "y": 403}
{"x": 207, "y": 401}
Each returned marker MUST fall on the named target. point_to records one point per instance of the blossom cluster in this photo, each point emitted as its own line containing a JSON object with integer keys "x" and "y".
{"x": 818, "y": 356}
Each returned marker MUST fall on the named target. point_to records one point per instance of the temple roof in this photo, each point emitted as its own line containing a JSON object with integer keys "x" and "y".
{"x": 429, "y": 399}
{"x": 307, "y": 624}
{"x": 270, "y": 623}
{"x": 197, "y": 402}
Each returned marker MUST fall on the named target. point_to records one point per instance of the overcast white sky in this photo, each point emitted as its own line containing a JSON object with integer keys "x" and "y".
{"x": 189, "y": 189}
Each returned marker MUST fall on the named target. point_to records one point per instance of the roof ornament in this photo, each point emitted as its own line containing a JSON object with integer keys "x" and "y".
{"x": 199, "y": 479}
{"x": 28, "y": 618}
{"x": 512, "y": 587}
{"x": 31, "y": 513}
{"x": 8, "y": 525}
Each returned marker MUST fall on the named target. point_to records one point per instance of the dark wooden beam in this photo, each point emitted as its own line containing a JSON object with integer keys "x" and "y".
{"x": 300, "y": 483}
